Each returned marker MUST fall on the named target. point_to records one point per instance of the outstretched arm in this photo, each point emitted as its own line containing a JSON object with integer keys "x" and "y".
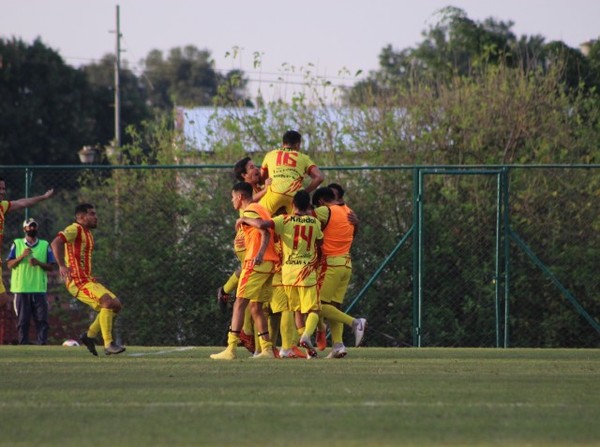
{"x": 26, "y": 203}
{"x": 316, "y": 178}
{"x": 256, "y": 223}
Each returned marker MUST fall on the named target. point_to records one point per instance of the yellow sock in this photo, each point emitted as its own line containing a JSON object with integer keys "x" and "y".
{"x": 264, "y": 344}
{"x": 233, "y": 340}
{"x": 337, "y": 331}
{"x": 334, "y": 314}
{"x": 257, "y": 345}
{"x": 274, "y": 322}
{"x": 312, "y": 319}
{"x": 94, "y": 328}
{"x": 287, "y": 329}
{"x": 106, "y": 317}
{"x": 231, "y": 283}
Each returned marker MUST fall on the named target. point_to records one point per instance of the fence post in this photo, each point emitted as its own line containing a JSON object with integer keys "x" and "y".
{"x": 497, "y": 254}
{"x": 506, "y": 235}
{"x": 417, "y": 255}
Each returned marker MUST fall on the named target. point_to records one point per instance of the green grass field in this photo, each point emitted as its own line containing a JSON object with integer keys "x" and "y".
{"x": 58, "y": 396}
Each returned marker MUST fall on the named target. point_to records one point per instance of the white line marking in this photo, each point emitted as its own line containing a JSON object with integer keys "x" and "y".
{"x": 166, "y": 351}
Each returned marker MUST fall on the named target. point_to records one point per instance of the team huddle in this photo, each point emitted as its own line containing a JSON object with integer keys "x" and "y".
{"x": 294, "y": 254}
{"x": 295, "y": 259}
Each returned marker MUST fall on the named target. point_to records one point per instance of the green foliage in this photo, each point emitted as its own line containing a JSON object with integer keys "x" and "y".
{"x": 133, "y": 107}
{"x": 187, "y": 77}
{"x": 457, "y": 46}
{"x": 46, "y": 109}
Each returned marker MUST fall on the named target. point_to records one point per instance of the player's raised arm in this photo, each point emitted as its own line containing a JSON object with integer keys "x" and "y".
{"x": 30, "y": 201}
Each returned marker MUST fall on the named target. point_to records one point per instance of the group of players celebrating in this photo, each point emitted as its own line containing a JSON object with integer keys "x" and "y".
{"x": 295, "y": 259}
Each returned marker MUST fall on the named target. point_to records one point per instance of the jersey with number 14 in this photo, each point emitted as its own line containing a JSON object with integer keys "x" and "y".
{"x": 299, "y": 235}
{"x": 286, "y": 168}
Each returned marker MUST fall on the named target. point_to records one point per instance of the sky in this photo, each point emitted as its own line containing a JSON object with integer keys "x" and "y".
{"x": 332, "y": 39}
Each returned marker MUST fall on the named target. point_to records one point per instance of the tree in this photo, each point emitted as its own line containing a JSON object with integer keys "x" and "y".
{"x": 46, "y": 107}
{"x": 134, "y": 109}
{"x": 187, "y": 77}
{"x": 457, "y": 46}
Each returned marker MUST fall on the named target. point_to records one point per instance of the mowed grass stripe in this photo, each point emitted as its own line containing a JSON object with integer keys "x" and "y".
{"x": 178, "y": 396}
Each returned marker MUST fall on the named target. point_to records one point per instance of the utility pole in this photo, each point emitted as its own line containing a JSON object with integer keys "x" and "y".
{"x": 117, "y": 84}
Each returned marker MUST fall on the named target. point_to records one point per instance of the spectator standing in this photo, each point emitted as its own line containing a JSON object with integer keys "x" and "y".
{"x": 29, "y": 260}
{"x": 7, "y": 206}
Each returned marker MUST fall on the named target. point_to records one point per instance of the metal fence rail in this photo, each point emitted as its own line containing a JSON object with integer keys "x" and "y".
{"x": 491, "y": 256}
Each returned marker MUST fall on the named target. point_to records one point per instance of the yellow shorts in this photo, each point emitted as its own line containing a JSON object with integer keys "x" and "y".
{"x": 303, "y": 299}
{"x": 255, "y": 282}
{"x": 272, "y": 201}
{"x": 90, "y": 293}
{"x": 334, "y": 278}
{"x": 279, "y": 301}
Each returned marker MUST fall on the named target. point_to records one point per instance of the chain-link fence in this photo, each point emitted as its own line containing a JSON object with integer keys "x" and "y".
{"x": 445, "y": 256}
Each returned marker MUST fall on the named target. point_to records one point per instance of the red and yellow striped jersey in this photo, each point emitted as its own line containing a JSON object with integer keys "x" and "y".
{"x": 286, "y": 168}
{"x": 299, "y": 235}
{"x": 4, "y": 207}
{"x": 79, "y": 246}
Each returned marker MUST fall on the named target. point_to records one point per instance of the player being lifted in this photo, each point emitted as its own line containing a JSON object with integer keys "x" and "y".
{"x": 286, "y": 167}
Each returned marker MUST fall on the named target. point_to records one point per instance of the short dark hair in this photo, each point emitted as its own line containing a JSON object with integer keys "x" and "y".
{"x": 338, "y": 188}
{"x": 83, "y": 208}
{"x": 323, "y": 193}
{"x": 301, "y": 200}
{"x": 240, "y": 168}
{"x": 291, "y": 137}
{"x": 244, "y": 188}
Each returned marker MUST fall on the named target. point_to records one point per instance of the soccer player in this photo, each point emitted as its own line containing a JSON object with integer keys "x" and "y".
{"x": 73, "y": 248}
{"x": 254, "y": 287}
{"x": 336, "y": 267}
{"x": 300, "y": 234}
{"x": 244, "y": 171}
{"x": 287, "y": 167}
{"x": 282, "y": 314}
{"x": 7, "y": 206}
{"x": 29, "y": 260}
{"x": 338, "y": 193}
